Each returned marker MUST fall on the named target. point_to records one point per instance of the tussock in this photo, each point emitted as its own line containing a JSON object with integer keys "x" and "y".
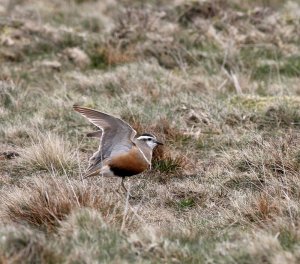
{"x": 87, "y": 236}
{"x": 48, "y": 152}
{"x": 22, "y": 244}
{"x": 168, "y": 161}
{"x": 43, "y": 203}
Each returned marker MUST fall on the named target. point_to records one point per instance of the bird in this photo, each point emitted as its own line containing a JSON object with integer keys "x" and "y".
{"x": 121, "y": 152}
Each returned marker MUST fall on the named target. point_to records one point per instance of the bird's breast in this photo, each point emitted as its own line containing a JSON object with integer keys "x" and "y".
{"x": 128, "y": 164}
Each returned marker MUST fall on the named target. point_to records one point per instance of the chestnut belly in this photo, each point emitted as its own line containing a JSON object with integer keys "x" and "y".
{"x": 128, "y": 164}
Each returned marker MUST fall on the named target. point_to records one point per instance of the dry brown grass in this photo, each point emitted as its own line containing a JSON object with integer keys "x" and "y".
{"x": 45, "y": 202}
{"x": 48, "y": 152}
{"x": 216, "y": 81}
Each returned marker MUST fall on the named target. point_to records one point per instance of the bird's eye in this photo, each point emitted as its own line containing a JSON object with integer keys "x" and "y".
{"x": 149, "y": 139}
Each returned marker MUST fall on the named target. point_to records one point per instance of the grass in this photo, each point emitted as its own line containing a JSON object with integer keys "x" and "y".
{"x": 216, "y": 81}
{"x": 45, "y": 203}
{"x": 48, "y": 152}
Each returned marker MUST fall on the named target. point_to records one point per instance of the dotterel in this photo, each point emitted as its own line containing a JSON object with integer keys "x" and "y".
{"x": 120, "y": 152}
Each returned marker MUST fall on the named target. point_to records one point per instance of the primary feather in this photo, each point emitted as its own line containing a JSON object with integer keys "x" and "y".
{"x": 116, "y": 135}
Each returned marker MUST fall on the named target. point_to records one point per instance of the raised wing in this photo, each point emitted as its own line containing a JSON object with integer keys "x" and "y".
{"x": 116, "y": 134}
{"x": 95, "y": 134}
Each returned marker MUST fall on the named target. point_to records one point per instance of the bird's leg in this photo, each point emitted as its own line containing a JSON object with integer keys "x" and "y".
{"x": 123, "y": 186}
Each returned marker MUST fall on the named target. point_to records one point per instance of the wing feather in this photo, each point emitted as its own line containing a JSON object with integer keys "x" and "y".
{"x": 117, "y": 135}
{"x": 95, "y": 134}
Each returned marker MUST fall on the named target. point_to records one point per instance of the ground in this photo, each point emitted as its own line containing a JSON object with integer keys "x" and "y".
{"x": 216, "y": 81}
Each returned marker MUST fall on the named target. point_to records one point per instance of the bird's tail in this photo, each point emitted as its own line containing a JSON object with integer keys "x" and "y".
{"x": 93, "y": 170}
{"x": 91, "y": 174}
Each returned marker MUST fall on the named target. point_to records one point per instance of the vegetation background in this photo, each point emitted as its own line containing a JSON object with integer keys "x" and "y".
{"x": 217, "y": 81}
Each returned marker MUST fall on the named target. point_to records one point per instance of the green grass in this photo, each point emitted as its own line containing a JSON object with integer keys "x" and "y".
{"x": 168, "y": 165}
{"x": 186, "y": 203}
{"x": 288, "y": 239}
{"x": 291, "y": 67}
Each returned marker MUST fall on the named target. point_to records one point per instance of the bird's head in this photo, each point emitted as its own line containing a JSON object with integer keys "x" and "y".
{"x": 150, "y": 140}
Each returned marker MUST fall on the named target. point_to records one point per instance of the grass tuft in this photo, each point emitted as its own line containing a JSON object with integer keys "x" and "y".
{"x": 21, "y": 244}
{"x": 165, "y": 161}
{"x": 48, "y": 152}
{"x": 86, "y": 236}
{"x": 43, "y": 203}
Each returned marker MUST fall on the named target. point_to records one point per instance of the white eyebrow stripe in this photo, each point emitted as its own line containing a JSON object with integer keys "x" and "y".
{"x": 145, "y": 137}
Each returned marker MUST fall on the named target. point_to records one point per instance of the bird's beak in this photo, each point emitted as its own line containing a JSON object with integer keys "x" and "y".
{"x": 158, "y": 143}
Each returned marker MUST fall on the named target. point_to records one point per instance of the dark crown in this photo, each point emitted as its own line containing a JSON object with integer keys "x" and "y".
{"x": 148, "y": 135}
